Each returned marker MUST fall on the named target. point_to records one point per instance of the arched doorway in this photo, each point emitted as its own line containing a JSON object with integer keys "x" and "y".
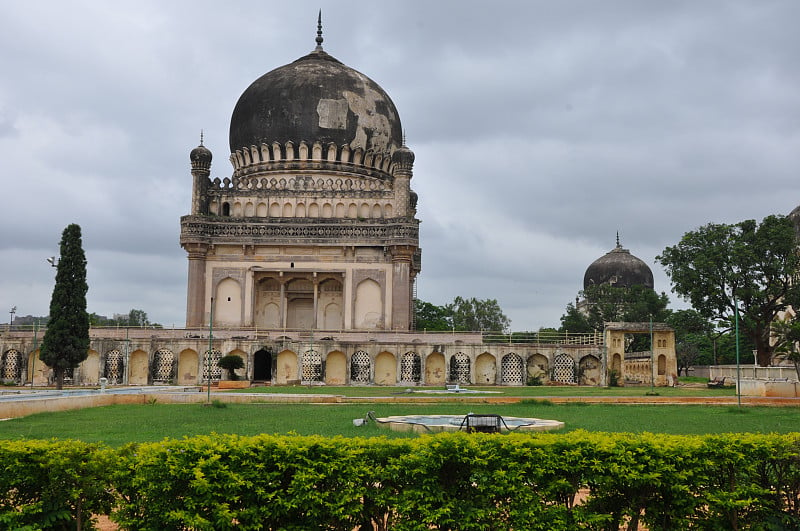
{"x": 335, "y": 368}
{"x": 435, "y": 373}
{"x": 385, "y": 369}
{"x": 262, "y": 365}
{"x": 589, "y": 370}
{"x": 138, "y": 368}
{"x": 485, "y": 370}
{"x": 188, "y": 367}
{"x": 538, "y": 368}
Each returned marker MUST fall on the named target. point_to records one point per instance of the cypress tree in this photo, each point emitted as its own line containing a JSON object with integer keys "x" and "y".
{"x": 66, "y": 341}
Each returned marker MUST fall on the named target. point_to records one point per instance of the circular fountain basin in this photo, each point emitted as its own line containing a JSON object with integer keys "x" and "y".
{"x": 439, "y": 423}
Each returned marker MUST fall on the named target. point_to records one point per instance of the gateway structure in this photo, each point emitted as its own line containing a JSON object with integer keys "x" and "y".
{"x": 316, "y": 227}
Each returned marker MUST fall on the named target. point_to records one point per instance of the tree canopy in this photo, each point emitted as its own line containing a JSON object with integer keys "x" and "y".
{"x": 66, "y": 341}
{"x": 748, "y": 265}
{"x": 462, "y": 315}
{"x": 605, "y": 303}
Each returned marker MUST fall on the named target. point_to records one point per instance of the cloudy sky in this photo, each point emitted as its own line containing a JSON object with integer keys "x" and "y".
{"x": 540, "y": 129}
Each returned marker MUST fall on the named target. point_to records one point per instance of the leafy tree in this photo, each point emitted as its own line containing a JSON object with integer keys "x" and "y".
{"x": 476, "y": 314}
{"x": 754, "y": 266}
{"x": 462, "y": 314}
{"x": 230, "y": 363}
{"x": 431, "y": 317}
{"x": 66, "y": 341}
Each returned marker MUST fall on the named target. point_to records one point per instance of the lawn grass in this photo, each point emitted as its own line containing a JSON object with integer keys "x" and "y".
{"x": 117, "y": 425}
{"x": 526, "y": 391}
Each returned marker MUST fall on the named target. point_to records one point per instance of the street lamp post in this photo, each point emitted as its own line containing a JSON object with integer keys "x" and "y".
{"x": 12, "y": 312}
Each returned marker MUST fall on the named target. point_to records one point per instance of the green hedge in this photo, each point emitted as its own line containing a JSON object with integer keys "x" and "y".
{"x": 578, "y": 480}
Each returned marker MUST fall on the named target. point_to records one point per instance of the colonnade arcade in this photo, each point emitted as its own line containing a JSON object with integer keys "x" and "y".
{"x": 318, "y": 363}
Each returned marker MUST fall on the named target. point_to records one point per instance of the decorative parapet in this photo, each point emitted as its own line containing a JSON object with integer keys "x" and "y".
{"x": 288, "y": 156}
{"x": 290, "y": 230}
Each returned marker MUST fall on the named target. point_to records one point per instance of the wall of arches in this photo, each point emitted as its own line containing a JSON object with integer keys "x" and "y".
{"x": 328, "y": 362}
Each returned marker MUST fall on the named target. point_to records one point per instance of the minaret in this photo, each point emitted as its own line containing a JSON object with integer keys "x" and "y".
{"x": 195, "y": 294}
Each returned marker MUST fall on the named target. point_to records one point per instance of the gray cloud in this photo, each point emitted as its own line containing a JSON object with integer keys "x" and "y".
{"x": 540, "y": 129}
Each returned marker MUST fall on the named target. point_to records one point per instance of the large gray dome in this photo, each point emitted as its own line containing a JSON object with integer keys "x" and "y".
{"x": 316, "y": 98}
{"x": 618, "y": 268}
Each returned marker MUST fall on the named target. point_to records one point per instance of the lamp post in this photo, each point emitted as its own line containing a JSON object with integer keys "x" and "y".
{"x": 12, "y": 312}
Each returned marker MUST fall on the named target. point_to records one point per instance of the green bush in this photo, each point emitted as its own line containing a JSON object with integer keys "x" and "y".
{"x": 53, "y": 484}
{"x": 230, "y": 363}
{"x": 577, "y": 480}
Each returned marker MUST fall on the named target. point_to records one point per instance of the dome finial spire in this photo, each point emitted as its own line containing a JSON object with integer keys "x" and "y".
{"x": 319, "y": 32}
{"x": 618, "y": 239}
{"x": 201, "y": 137}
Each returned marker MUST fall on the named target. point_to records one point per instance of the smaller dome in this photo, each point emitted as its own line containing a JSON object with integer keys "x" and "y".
{"x": 618, "y": 268}
{"x": 403, "y": 155}
{"x": 200, "y": 154}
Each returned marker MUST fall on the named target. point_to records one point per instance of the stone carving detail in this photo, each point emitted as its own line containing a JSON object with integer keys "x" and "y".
{"x": 563, "y": 369}
{"x": 210, "y": 367}
{"x": 410, "y": 367}
{"x": 459, "y": 368}
{"x": 512, "y": 369}
{"x": 312, "y": 366}
{"x": 115, "y": 367}
{"x": 323, "y": 232}
{"x": 360, "y": 367}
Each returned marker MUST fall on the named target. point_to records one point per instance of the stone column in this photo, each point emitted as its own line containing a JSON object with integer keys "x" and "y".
{"x": 401, "y": 286}
{"x": 196, "y": 286}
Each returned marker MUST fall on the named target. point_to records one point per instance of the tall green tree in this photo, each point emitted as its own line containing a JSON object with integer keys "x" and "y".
{"x": 66, "y": 341}
{"x": 463, "y": 314}
{"x": 428, "y": 316}
{"x": 750, "y": 265}
{"x": 478, "y": 314}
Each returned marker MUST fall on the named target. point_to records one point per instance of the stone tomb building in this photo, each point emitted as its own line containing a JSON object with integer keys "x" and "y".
{"x": 316, "y": 228}
{"x": 304, "y": 260}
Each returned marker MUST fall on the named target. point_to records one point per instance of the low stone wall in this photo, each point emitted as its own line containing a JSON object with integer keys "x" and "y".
{"x": 769, "y": 388}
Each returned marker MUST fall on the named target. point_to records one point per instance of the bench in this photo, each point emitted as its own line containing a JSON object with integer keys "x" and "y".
{"x": 717, "y": 382}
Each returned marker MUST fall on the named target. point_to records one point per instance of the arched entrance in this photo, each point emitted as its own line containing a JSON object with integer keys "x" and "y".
{"x": 435, "y": 373}
{"x": 262, "y": 365}
{"x": 336, "y": 368}
{"x": 385, "y": 369}
{"x": 485, "y": 370}
{"x": 589, "y": 369}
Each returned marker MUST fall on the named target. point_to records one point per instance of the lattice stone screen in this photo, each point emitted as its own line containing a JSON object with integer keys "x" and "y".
{"x": 359, "y": 367}
{"x": 564, "y": 369}
{"x": 459, "y": 368}
{"x": 210, "y": 366}
{"x": 11, "y": 365}
{"x": 312, "y": 366}
{"x": 410, "y": 367}
{"x": 115, "y": 366}
{"x": 512, "y": 369}
{"x": 163, "y": 364}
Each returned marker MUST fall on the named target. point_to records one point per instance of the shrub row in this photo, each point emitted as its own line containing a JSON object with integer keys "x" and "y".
{"x": 578, "y": 480}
